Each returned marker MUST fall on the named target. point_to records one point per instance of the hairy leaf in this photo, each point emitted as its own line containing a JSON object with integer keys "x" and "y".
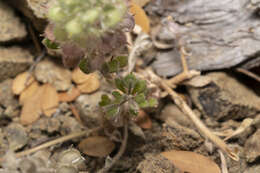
{"x": 141, "y": 101}
{"x": 50, "y": 44}
{"x": 113, "y": 111}
{"x": 84, "y": 66}
{"x": 152, "y": 102}
{"x": 139, "y": 87}
{"x": 120, "y": 85}
{"x": 105, "y": 100}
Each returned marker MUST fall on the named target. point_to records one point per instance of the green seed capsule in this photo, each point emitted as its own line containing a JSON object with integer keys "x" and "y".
{"x": 70, "y": 2}
{"x": 90, "y": 16}
{"x": 56, "y": 14}
{"x": 73, "y": 28}
{"x": 113, "y": 17}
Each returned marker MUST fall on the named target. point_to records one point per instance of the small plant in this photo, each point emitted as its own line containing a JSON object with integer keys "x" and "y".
{"x": 90, "y": 35}
{"x": 87, "y": 30}
{"x": 130, "y": 96}
{"x": 79, "y": 20}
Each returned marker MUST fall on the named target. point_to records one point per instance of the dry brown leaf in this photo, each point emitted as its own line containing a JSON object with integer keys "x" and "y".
{"x": 143, "y": 120}
{"x": 91, "y": 84}
{"x": 97, "y": 146}
{"x": 78, "y": 76}
{"x": 20, "y": 82}
{"x": 75, "y": 112}
{"x": 28, "y": 92}
{"x": 49, "y": 100}
{"x": 70, "y": 95}
{"x": 191, "y": 162}
{"x": 141, "y": 3}
{"x": 31, "y": 110}
{"x": 140, "y": 17}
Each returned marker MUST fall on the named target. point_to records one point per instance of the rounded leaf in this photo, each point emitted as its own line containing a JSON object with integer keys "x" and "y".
{"x": 97, "y": 146}
{"x": 191, "y": 162}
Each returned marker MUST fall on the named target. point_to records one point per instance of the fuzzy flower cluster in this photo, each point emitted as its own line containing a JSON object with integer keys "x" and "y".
{"x": 78, "y": 20}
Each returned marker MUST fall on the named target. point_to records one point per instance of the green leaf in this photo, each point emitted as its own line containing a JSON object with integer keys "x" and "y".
{"x": 130, "y": 78}
{"x": 50, "y": 44}
{"x": 141, "y": 101}
{"x": 122, "y": 60}
{"x": 105, "y": 100}
{"x": 84, "y": 66}
{"x": 113, "y": 66}
{"x": 139, "y": 87}
{"x": 152, "y": 102}
{"x": 133, "y": 112}
{"x": 140, "y": 98}
{"x": 118, "y": 97}
{"x": 116, "y": 63}
{"x": 120, "y": 85}
{"x": 113, "y": 111}
{"x": 144, "y": 104}
{"x": 129, "y": 82}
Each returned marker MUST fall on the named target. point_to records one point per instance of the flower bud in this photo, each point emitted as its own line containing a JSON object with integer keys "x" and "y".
{"x": 78, "y": 20}
{"x": 56, "y": 14}
{"x": 73, "y": 28}
{"x": 91, "y": 16}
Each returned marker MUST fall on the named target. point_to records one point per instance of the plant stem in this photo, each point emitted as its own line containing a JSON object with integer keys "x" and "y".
{"x": 120, "y": 153}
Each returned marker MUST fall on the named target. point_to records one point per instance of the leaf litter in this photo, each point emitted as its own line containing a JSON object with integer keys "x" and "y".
{"x": 33, "y": 107}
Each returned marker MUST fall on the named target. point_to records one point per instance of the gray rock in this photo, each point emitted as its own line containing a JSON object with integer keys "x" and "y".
{"x": 172, "y": 113}
{"x": 256, "y": 122}
{"x": 49, "y": 72}
{"x": 27, "y": 165}
{"x": 252, "y": 147}
{"x": 157, "y": 163}
{"x": 13, "y": 60}
{"x": 12, "y": 111}
{"x": 89, "y": 109}
{"x": 50, "y": 124}
{"x": 10, "y": 24}
{"x": 3, "y": 143}
{"x": 218, "y": 34}
{"x": 225, "y": 98}
{"x": 16, "y": 136}
{"x": 69, "y": 125}
{"x": 7, "y": 98}
{"x": 253, "y": 169}
{"x": 34, "y": 10}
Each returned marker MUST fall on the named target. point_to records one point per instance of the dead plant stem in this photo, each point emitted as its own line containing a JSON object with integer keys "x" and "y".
{"x": 120, "y": 152}
{"x": 56, "y": 141}
{"x": 249, "y": 73}
{"x": 201, "y": 127}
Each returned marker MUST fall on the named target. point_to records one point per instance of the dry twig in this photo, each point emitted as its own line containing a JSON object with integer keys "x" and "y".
{"x": 223, "y": 162}
{"x": 56, "y": 141}
{"x": 201, "y": 127}
{"x": 248, "y": 73}
{"x": 180, "y": 102}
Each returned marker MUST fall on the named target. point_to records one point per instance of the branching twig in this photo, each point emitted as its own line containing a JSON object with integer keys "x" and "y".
{"x": 180, "y": 102}
{"x": 201, "y": 127}
{"x": 120, "y": 152}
